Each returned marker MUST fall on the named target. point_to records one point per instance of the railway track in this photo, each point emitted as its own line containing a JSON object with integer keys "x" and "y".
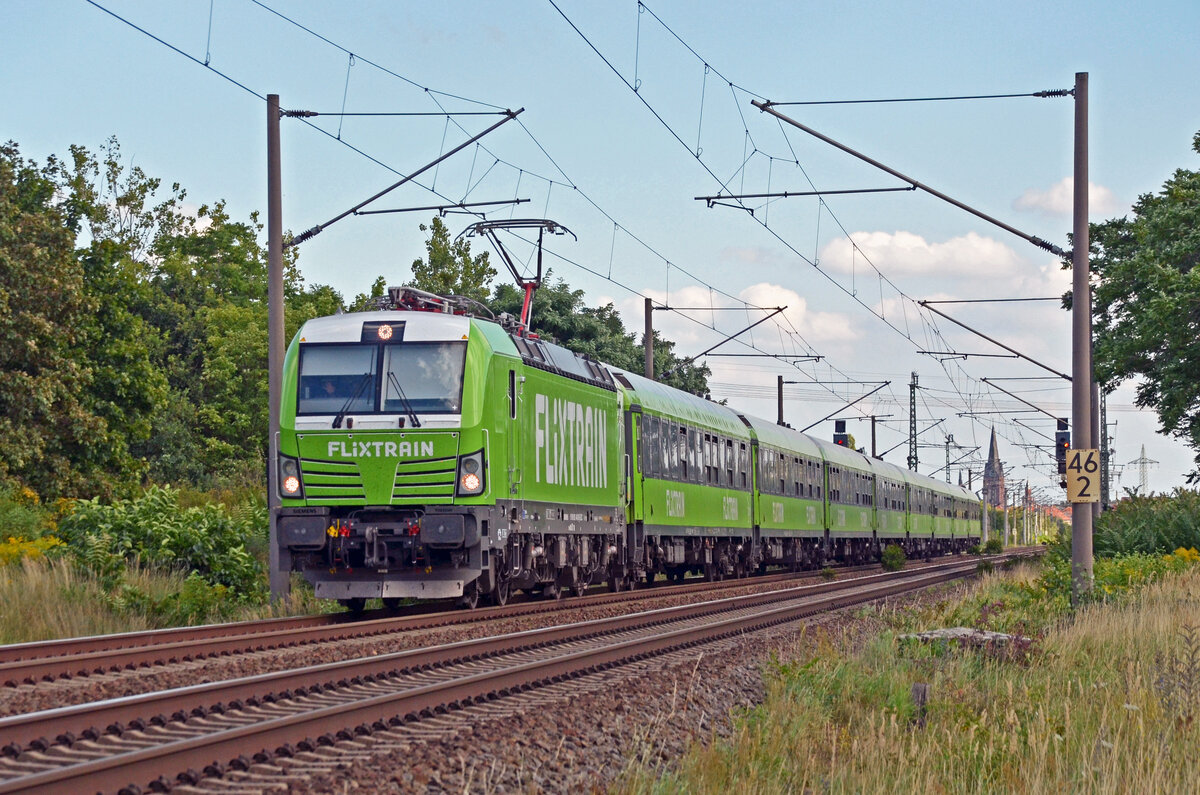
{"x": 227, "y": 728}
{"x": 29, "y": 663}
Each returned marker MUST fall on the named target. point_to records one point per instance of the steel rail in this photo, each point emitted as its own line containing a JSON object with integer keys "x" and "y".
{"x": 77, "y": 719}
{"x": 27, "y": 662}
{"x": 155, "y": 763}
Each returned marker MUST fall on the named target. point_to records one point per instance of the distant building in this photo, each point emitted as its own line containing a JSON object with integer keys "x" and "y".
{"x": 993, "y": 477}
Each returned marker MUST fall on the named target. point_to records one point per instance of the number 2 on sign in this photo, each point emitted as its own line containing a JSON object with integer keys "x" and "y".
{"x": 1083, "y": 478}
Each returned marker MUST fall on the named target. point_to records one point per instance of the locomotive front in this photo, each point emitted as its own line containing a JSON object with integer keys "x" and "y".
{"x": 383, "y": 466}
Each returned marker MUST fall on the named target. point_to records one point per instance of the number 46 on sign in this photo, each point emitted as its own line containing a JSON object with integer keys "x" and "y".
{"x": 1083, "y": 476}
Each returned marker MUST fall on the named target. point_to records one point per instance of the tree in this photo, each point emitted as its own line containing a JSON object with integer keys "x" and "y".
{"x": 79, "y": 382}
{"x": 449, "y": 268}
{"x": 1147, "y": 304}
{"x": 132, "y": 333}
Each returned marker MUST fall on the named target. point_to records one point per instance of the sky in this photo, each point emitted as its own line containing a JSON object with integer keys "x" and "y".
{"x": 631, "y": 112}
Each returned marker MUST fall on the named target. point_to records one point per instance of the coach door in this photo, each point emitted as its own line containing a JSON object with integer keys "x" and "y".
{"x": 515, "y": 383}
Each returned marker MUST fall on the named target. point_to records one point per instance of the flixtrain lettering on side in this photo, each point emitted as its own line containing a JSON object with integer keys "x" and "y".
{"x": 369, "y": 449}
{"x": 571, "y": 443}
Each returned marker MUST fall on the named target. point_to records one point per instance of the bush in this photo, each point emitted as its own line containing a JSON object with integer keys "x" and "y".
{"x": 892, "y": 558}
{"x": 21, "y": 513}
{"x": 974, "y": 549}
{"x": 828, "y": 573}
{"x": 17, "y": 549}
{"x": 1149, "y": 524}
{"x": 993, "y": 547}
{"x": 1117, "y": 574}
{"x": 155, "y": 531}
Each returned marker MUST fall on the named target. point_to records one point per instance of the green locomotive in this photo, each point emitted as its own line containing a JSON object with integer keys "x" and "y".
{"x": 428, "y": 453}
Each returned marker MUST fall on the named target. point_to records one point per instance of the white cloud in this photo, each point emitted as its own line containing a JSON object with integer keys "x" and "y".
{"x": 907, "y": 254}
{"x": 814, "y": 326}
{"x": 702, "y": 328}
{"x": 1059, "y": 199}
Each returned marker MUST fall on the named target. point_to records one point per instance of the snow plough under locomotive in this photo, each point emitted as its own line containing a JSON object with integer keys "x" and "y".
{"x": 429, "y": 453}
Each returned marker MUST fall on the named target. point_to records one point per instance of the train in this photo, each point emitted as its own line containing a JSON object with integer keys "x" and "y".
{"x": 427, "y": 451}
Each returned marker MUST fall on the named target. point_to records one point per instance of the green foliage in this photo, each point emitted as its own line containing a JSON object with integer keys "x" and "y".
{"x": 154, "y": 530}
{"x": 828, "y": 573}
{"x": 21, "y": 513}
{"x": 53, "y": 439}
{"x": 892, "y": 558}
{"x": 1115, "y": 575}
{"x": 1145, "y": 303}
{"x": 994, "y": 546}
{"x": 1149, "y": 524}
{"x": 195, "y": 601}
{"x": 449, "y": 268}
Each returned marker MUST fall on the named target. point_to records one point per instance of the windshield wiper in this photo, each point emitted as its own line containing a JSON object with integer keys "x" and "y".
{"x": 412, "y": 415}
{"x": 341, "y": 415}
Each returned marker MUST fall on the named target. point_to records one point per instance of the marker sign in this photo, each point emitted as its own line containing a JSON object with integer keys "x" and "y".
{"x": 1083, "y": 476}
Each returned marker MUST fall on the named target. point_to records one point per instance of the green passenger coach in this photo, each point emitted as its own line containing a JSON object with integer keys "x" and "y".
{"x": 428, "y": 453}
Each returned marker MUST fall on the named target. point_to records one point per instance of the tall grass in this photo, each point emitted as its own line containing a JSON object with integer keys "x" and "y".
{"x": 56, "y": 598}
{"x": 1106, "y": 701}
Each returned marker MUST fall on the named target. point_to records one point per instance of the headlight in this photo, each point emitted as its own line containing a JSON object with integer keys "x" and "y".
{"x": 470, "y": 474}
{"x": 290, "y": 484}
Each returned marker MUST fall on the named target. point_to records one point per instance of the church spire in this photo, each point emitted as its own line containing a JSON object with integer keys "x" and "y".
{"x": 993, "y": 475}
{"x": 993, "y": 462}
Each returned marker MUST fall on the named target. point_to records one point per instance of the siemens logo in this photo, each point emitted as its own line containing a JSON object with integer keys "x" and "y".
{"x": 571, "y": 442}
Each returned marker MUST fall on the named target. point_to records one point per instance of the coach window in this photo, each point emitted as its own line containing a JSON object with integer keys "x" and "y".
{"x": 645, "y": 444}
{"x": 662, "y": 465}
{"x": 676, "y": 460}
{"x": 647, "y": 448}
{"x": 689, "y": 451}
{"x": 663, "y": 444}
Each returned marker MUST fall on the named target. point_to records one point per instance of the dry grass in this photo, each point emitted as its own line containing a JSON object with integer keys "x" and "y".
{"x": 45, "y": 599}
{"x": 1108, "y": 702}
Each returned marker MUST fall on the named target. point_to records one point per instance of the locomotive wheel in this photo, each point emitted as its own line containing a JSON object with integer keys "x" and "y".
{"x": 354, "y": 605}
{"x": 392, "y": 602}
{"x": 499, "y": 594}
{"x": 650, "y": 575}
{"x": 615, "y": 583}
{"x": 470, "y": 598}
{"x": 579, "y": 587}
{"x": 552, "y": 592}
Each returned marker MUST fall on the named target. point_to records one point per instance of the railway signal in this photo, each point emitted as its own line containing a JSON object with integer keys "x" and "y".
{"x": 1062, "y": 446}
{"x": 839, "y": 433}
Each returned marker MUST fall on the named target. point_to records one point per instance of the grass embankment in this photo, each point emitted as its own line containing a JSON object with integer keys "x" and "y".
{"x": 165, "y": 558}
{"x": 1106, "y": 699}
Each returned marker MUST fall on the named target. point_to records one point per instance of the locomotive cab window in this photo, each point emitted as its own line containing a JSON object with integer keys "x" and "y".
{"x": 400, "y": 378}
{"x": 337, "y": 378}
{"x": 424, "y": 377}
